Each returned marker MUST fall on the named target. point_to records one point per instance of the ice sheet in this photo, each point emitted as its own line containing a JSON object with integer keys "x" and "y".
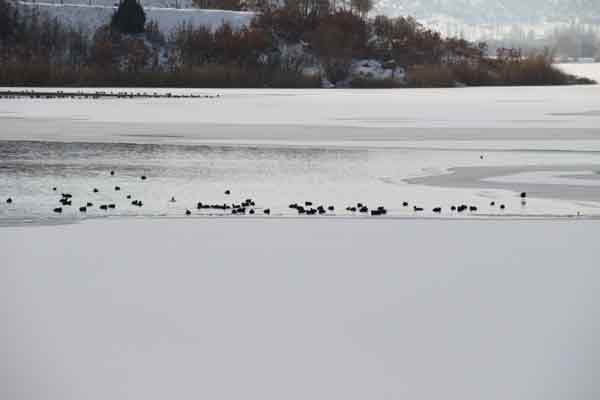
{"x": 506, "y": 107}
{"x": 296, "y": 309}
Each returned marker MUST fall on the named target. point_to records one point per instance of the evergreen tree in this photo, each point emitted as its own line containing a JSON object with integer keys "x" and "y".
{"x": 129, "y": 17}
{"x": 8, "y": 21}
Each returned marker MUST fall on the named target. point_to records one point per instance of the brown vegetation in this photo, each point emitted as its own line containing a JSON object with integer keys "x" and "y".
{"x": 35, "y": 50}
{"x": 206, "y": 76}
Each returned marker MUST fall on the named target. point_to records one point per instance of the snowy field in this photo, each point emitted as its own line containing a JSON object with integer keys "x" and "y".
{"x": 89, "y": 17}
{"x": 152, "y": 304}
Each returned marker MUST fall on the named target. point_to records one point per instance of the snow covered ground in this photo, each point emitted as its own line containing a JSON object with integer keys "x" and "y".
{"x": 591, "y": 71}
{"x": 281, "y": 309}
{"x": 90, "y": 17}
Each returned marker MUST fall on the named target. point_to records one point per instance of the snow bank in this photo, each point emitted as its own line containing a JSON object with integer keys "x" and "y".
{"x": 89, "y": 18}
{"x": 585, "y": 70}
{"x": 373, "y": 69}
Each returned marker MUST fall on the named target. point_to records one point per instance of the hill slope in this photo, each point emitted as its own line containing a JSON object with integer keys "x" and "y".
{"x": 495, "y": 11}
{"x": 91, "y": 17}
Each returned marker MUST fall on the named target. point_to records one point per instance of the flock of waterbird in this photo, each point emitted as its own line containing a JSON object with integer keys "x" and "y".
{"x": 248, "y": 206}
{"x": 83, "y": 95}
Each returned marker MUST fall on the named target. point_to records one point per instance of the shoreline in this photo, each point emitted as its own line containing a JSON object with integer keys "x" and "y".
{"x": 30, "y": 223}
{"x": 377, "y": 85}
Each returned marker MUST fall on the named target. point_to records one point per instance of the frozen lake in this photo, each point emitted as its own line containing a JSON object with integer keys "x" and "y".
{"x": 380, "y": 147}
{"x": 151, "y": 304}
{"x": 295, "y": 309}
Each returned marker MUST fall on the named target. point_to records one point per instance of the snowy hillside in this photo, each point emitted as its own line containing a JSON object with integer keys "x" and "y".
{"x": 476, "y": 19}
{"x": 91, "y": 17}
{"x": 495, "y": 11}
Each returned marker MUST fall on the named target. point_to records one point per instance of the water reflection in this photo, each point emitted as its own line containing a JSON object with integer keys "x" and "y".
{"x": 30, "y": 170}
